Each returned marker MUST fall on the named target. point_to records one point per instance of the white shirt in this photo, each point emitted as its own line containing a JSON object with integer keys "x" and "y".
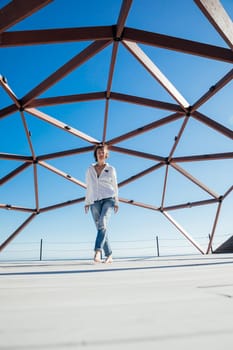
{"x": 104, "y": 186}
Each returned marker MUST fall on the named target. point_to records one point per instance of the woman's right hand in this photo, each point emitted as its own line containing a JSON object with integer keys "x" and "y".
{"x": 86, "y": 208}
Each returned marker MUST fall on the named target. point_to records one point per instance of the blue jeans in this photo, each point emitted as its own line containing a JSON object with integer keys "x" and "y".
{"x": 101, "y": 211}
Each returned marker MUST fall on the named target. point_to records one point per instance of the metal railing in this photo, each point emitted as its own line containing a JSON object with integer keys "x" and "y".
{"x": 57, "y": 250}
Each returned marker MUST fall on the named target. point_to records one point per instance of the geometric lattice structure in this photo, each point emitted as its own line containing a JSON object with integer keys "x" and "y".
{"x": 136, "y": 43}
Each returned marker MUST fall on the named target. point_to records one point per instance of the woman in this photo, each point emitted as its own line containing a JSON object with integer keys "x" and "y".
{"x": 101, "y": 198}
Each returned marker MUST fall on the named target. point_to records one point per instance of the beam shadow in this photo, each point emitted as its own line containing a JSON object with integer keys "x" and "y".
{"x": 115, "y": 269}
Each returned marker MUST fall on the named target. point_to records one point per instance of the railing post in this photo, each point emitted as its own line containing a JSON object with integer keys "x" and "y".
{"x": 41, "y": 248}
{"x": 157, "y": 245}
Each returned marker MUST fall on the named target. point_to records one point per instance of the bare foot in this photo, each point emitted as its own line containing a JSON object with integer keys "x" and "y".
{"x": 97, "y": 257}
{"x": 108, "y": 260}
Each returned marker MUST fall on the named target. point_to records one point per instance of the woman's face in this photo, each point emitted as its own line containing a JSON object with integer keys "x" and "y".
{"x": 101, "y": 154}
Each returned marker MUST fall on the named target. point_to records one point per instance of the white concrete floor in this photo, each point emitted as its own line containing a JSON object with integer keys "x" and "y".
{"x": 180, "y": 303}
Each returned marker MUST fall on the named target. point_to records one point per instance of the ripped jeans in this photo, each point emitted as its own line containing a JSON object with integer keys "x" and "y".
{"x": 101, "y": 211}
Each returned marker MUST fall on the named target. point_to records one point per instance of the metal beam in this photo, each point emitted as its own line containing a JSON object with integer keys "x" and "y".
{"x": 178, "y": 44}
{"x": 50, "y": 101}
{"x": 218, "y": 17}
{"x": 214, "y": 227}
{"x": 13, "y": 173}
{"x": 28, "y": 136}
{"x": 202, "y": 157}
{"x": 164, "y": 186}
{"x": 213, "y": 124}
{"x": 60, "y": 125}
{"x": 62, "y": 205}
{"x": 18, "y": 157}
{"x": 182, "y": 230}
{"x": 55, "y": 36}
{"x": 178, "y": 137}
{"x": 62, "y": 174}
{"x": 213, "y": 90}
{"x": 191, "y": 204}
{"x": 126, "y": 4}
{"x": 227, "y": 192}
{"x": 16, "y": 232}
{"x": 17, "y": 208}
{"x": 138, "y": 204}
{"x": 194, "y": 180}
{"x": 36, "y": 189}
{"x": 124, "y": 11}
{"x": 141, "y": 174}
{"x": 9, "y": 92}
{"x": 145, "y": 128}
{"x": 131, "y": 152}
{"x": 4, "y": 112}
{"x": 65, "y": 153}
{"x": 75, "y": 62}
{"x": 105, "y": 121}
{"x": 109, "y": 85}
{"x": 16, "y": 11}
{"x": 156, "y": 73}
{"x": 145, "y": 102}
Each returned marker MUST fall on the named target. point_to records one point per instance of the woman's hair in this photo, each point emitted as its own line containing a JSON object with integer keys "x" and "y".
{"x": 100, "y": 146}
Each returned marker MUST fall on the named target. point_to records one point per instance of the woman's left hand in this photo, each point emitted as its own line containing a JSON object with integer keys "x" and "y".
{"x": 116, "y": 207}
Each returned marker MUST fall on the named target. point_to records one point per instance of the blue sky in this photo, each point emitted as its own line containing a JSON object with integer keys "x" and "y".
{"x": 25, "y": 67}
